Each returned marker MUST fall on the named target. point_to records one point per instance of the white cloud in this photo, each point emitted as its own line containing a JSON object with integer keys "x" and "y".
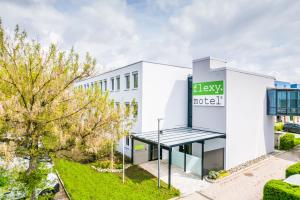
{"x": 261, "y": 36}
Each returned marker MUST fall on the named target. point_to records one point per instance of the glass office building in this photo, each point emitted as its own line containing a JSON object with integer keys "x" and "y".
{"x": 283, "y": 102}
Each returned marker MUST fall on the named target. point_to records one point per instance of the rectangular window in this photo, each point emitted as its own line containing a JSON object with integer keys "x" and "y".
{"x": 271, "y": 102}
{"x": 117, "y": 105}
{"x": 298, "y": 104}
{"x": 127, "y": 106}
{"x": 100, "y": 85}
{"x": 188, "y": 148}
{"x": 281, "y": 102}
{"x": 135, "y": 109}
{"x": 112, "y": 81}
{"x": 127, "y": 81}
{"x": 127, "y": 140}
{"x": 105, "y": 85}
{"x": 118, "y": 82}
{"x": 292, "y": 102}
{"x": 135, "y": 80}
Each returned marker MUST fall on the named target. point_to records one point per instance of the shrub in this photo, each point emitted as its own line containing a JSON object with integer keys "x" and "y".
{"x": 293, "y": 169}
{"x": 213, "y": 175}
{"x": 278, "y": 126}
{"x": 287, "y": 141}
{"x": 279, "y": 190}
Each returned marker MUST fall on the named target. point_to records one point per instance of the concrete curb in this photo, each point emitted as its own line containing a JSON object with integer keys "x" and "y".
{"x": 62, "y": 184}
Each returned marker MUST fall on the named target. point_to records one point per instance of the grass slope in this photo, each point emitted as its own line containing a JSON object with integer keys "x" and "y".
{"x": 84, "y": 183}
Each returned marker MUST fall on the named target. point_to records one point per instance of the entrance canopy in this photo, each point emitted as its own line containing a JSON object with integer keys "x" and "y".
{"x": 177, "y": 136}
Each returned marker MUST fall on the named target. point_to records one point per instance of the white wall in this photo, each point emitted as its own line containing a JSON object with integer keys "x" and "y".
{"x": 208, "y": 118}
{"x": 164, "y": 96}
{"x": 123, "y": 95}
{"x": 249, "y": 131}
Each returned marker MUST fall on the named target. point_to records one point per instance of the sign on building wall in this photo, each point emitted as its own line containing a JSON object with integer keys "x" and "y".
{"x": 208, "y": 93}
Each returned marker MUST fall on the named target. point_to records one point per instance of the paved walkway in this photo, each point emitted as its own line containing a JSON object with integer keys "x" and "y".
{"x": 186, "y": 183}
{"x": 248, "y": 183}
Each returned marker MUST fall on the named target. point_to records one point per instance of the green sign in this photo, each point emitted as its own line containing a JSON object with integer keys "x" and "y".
{"x": 139, "y": 147}
{"x": 208, "y": 88}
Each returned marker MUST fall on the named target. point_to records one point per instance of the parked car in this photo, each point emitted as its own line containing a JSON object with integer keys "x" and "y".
{"x": 293, "y": 128}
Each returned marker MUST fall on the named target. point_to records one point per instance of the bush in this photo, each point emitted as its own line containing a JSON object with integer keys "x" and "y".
{"x": 213, "y": 175}
{"x": 279, "y": 190}
{"x": 293, "y": 169}
{"x": 278, "y": 126}
{"x": 287, "y": 141}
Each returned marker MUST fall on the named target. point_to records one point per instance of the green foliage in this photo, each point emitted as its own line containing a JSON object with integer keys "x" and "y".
{"x": 213, "y": 175}
{"x": 297, "y": 141}
{"x": 293, "y": 169}
{"x": 279, "y": 190}
{"x": 287, "y": 141}
{"x": 82, "y": 182}
{"x": 33, "y": 179}
{"x": 49, "y": 196}
{"x": 278, "y": 126}
{"x": 3, "y": 178}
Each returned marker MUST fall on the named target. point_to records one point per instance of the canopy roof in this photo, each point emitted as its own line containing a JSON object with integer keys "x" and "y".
{"x": 177, "y": 136}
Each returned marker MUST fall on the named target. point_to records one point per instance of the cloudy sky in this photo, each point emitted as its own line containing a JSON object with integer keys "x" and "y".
{"x": 261, "y": 36}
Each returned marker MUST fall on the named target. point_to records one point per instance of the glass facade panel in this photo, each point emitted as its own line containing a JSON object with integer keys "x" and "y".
{"x": 298, "y": 103}
{"x": 281, "y": 102}
{"x": 292, "y": 102}
{"x": 271, "y": 101}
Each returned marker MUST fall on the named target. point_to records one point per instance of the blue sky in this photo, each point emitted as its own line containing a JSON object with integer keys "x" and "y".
{"x": 261, "y": 35}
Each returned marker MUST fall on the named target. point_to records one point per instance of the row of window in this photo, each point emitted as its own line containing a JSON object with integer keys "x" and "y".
{"x": 115, "y": 83}
{"x": 283, "y": 102}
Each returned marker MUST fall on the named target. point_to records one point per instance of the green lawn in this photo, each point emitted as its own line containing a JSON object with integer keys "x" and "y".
{"x": 82, "y": 182}
{"x": 297, "y": 141}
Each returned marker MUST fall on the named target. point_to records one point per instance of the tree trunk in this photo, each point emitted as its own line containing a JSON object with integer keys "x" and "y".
{"x": 32, "y": 167}
{"x": 112, "y": 155}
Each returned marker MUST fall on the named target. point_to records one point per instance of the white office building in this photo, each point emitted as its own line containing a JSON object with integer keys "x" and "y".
{"x": 214, "y": 117}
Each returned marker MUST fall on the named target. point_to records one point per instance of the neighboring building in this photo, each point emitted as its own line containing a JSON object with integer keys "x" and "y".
{"x": 295, "y": 86}
{"x": 284, "y": 114}
{"x": 282, "y": 84}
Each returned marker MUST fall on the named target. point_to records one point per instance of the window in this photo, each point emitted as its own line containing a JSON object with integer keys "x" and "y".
{"x": 135, "y": 109}
{"x": 135, "y": 79}
{"x": 118, "y": 82}
{"x": 127, "y": 140}
{"x": 127, "y": 107}
{"x": 127, "y": 81}
{"x": 100, "y": 85}
{"x": 281, "y": 102}
{"x": 271, "y": 102}
{"x": 298, "y": 104}
{"x": 105, "y": 85}
{"x": 95, "y": 84}
{"x": 117, "y": 105}
{"x": 112, "y": 81}
{"x": 292, "y": 102}
{"x": 188, "y": 148}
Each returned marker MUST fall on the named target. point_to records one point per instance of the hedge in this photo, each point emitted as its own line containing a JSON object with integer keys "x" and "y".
{"x": 278, "y": 126}
{"x": 293, "y": 169}
{"x": 279, "y": 190}
{"x": 287, "y": 141}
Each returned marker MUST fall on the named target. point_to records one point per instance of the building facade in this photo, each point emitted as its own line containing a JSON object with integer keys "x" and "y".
{"x": 214, "y": 117}
{"x": 158, "y": 89}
